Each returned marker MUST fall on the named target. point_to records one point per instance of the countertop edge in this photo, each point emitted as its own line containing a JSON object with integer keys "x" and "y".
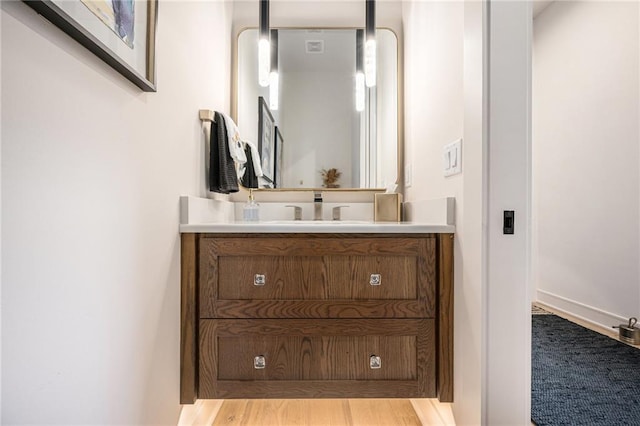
{"x": 271, "y": 228}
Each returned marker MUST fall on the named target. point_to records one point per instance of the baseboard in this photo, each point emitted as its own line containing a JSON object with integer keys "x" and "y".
{"x": 596, "y": 317}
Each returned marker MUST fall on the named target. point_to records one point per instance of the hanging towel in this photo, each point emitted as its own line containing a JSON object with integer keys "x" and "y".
{"x": 222, "y": 170}
{"x": 249, "y": 178}
{"x": 255, "y": 158}
{"x": 236, "y": 147}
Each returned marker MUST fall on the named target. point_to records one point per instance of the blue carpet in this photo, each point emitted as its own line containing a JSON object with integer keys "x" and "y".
{"x": 580, "y": 377}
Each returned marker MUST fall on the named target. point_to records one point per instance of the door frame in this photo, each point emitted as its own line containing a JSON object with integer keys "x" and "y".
{"x": 506, "y": 304}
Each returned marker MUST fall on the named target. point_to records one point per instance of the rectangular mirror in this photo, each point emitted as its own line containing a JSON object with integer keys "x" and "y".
{"x": 316, "y": 116}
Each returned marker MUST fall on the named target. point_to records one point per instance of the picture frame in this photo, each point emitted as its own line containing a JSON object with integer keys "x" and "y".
{"x": 279, "y": 149}
{"x": 266, "y": 139}
{"x": 125, "y": 39}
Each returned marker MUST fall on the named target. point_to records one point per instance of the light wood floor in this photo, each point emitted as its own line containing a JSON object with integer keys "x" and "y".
{"x": 318, "y": 412}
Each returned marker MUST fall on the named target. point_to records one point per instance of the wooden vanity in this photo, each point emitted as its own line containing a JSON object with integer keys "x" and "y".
{"x": 316, "y": 315}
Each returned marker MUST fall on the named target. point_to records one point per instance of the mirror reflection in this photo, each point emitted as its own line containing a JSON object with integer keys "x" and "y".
{"x": 322, "y": 141}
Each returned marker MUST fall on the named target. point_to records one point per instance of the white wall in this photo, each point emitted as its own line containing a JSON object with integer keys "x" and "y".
{"x": 248, "y": 89}
{"x": 1, "y": 302}
{"x": 433, "y": 94}
{"x": 309, "y": 149}
{"x": 91, "y": 174}
{"x": 586, "y": 159}
{"x": 470, "y": 230}
{"x": 387, "y": 100}
{"x": 440, "y": 96}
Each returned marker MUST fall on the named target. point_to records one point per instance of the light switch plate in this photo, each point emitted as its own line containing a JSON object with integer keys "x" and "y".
{"x": 407, "y": 175}
{"x": 452, "y": 158}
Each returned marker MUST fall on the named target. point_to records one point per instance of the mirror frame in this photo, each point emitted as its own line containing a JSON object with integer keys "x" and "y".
{"x": 400, "y": 187}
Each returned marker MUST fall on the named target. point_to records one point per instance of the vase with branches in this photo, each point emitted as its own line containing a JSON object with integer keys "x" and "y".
{"x": 330, "y": 178}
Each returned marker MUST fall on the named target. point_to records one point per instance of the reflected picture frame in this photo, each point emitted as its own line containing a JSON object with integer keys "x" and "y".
{"x": 266, "y": 139}
{"x": 87, "y": 28}
{"x": 279, "y": 149}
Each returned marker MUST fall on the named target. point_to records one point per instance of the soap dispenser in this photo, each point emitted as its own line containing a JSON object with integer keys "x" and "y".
{"x": 251, "y": 210}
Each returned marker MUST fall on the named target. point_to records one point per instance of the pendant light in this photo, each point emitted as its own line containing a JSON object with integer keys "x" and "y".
{"x": 264, "y": 55}
{"x": 274, "y": 79}
{"x": 360, "y": 90}
{"x": 370, "y": 44}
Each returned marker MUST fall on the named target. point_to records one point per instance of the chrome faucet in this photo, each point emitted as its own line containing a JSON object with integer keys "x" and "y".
{"x": 336, "y": 212}
{"x": 317, "y": 206}
{"x": 297, "y": 212}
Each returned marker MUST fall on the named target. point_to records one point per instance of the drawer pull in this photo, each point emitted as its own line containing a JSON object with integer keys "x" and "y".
{"x": 375, "y": 279}
{"x": 259, "y": 279}
{"x": 375, "y": 362}
{"x": 259, "y": 362}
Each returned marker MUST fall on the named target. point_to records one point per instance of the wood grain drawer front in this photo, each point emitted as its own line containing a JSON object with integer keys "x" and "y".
{"x": 317, "y": 357}
{"x": 303, "y": 357}
{"x": 317, "y": 277}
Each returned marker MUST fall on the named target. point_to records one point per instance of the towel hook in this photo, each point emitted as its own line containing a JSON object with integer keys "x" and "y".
{"x": 207, "y": 115}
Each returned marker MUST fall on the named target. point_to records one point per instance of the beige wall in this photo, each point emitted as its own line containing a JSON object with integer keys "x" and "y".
{"x": 92, "y": 169}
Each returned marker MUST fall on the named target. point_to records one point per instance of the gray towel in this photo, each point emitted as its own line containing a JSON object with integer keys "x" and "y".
{"x": 222, "y": 170}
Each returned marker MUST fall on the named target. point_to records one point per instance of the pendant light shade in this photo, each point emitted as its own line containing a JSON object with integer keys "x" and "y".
{"x": 264, "y": 48}
{"x": 274, "y": 78}
{"x": 370, "y": 44}
{"x": 359, "y": 81}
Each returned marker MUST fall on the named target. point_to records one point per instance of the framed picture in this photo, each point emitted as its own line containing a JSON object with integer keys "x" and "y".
{"x": 121, "y": 33}
{"x": 266, "y": 139}
{"x": 279, "y": 153}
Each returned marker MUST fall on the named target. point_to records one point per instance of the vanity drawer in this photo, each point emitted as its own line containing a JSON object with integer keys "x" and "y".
{"x": 317, "y": 277}
{"x": 319, "y": 358}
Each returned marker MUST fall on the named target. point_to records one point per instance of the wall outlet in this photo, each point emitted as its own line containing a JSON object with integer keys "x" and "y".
{"x": 407, "y": 176}
{"x": 452, "y": 158}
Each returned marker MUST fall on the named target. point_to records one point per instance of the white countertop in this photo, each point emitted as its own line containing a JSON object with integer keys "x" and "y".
{"x": 203, "y": 215}
{"x": 321, "y": 227}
